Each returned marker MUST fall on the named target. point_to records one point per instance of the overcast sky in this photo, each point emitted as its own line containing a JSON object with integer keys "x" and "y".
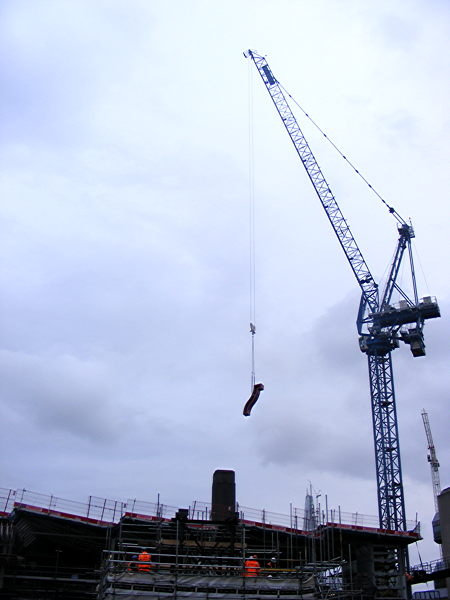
{"x": 125, "y": 356}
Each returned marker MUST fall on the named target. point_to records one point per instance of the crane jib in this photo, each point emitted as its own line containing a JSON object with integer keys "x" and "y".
{"x": 348, "y": 243}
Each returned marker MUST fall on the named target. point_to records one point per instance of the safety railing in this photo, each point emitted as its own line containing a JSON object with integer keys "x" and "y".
{"x": 118, "y": 562}
{"x": 140, "y": 508}
{"x": 434, "y": 566}
{"x": 6, "y": 500}
{"x": 74, "y": 574}
{"x": 96, "y": 510}
{"x": 101, "y": 510}
{"x": 300, "y": 519}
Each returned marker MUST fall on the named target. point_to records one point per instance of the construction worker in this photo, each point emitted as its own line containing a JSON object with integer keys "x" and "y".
{"x": 272, "y": 564}
{"x": 132, "y": 565}
{"x": 251, "y": 566}
{"x": 144, "y": 559}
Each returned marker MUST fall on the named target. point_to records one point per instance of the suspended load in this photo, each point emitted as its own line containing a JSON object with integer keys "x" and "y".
{"x": 257, "y": 389}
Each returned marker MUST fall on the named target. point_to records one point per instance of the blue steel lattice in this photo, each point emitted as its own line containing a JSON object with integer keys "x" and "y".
{"x": 406, "y": 234}
{"x": 391, "y": 504}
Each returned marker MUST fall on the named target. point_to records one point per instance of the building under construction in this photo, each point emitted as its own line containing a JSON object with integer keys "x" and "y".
{"x": 53, "y": 548}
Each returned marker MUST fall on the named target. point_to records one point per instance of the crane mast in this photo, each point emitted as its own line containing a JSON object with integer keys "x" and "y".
{"x": 432, "y": 459}
{"x": 380, "y": 325}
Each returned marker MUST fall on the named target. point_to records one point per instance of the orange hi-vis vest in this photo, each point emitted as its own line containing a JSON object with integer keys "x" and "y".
{"x": 144, "y": 565}
{"x": 251, "y": 568}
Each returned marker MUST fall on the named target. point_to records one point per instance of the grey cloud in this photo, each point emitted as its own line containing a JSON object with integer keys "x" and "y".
{"x": 317, "y": 445}
{"x": 399, "y": 32}
{"x": 47, "y": 52}
{"x": 62, "y": 394}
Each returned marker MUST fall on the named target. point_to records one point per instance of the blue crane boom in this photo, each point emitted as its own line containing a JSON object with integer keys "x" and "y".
{"x": 380, "y": 325}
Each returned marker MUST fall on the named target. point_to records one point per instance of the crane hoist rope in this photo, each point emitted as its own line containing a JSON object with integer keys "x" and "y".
{"x": 256, "y": 388}
{"x": 251, "y": 194}
{"x": 252, "y": 241}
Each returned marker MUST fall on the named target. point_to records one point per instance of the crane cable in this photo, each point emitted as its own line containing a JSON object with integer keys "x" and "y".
{"x": 390, "y": 208}
{"x": 251, "y": 184}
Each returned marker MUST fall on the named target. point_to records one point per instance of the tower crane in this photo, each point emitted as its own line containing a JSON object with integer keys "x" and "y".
{"x": 380, "y": 324}
{"x": 432, "y": 459}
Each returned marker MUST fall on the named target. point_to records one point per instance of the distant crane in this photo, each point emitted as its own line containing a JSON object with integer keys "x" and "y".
{"x": 432, "y": 459}
{"x": 381, "y": 326}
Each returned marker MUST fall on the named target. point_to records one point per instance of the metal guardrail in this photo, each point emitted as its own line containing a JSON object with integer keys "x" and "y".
{"x": 214, "y": 565}
{"x": 6, "y": 500}
{"x": 96, "y": 509}
{"x": 440, "y": 564}
{"x": 57, "y": 573}
{"x": 427, "y": 595}
{"x": 111, "y": 511}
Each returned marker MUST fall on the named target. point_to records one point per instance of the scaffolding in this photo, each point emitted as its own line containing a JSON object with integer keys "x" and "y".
{"x": 188, "y": 573}
{"x": 59, "y": 548}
